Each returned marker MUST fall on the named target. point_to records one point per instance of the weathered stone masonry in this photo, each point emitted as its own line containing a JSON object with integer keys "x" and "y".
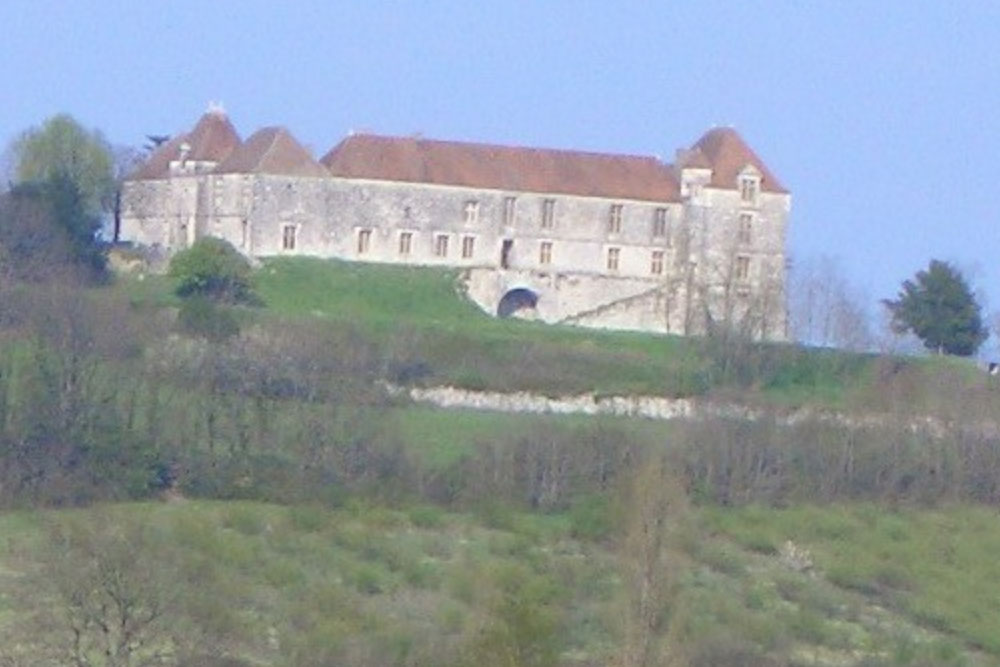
{"x": 597, "y": 240}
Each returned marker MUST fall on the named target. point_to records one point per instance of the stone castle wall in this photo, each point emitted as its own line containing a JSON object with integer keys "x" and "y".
{"x": 497, "y": 238}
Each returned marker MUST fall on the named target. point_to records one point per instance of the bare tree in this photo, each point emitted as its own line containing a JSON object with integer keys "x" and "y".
{"x": 109, "y": 598}
{"x": 826, "y": 309}
{"x": 651, "y": 563}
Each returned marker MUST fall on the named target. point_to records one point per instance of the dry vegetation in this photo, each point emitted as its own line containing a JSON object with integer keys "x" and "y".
{"x": 256, "y": 498}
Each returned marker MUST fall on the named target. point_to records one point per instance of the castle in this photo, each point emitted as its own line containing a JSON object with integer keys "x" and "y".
{"x": 592, "y": 239}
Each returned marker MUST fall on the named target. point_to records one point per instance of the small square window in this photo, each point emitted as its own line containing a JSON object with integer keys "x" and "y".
{"x": 468, "y": 246}
{"x": 545, "y": 252}
{"x": 364, "y": 240}
{"x": 405, "y": 243}
{"x": 656, "y": 263}
{"x": 613, "y": 256}
{"x": 742, "y": 268}
{"x": 288, "y": 237}
{"x": 615, "y": 219}
{"x": 548, "y": 213}
{"x": 744, "y": 234}
{"x": 441, "y": 245}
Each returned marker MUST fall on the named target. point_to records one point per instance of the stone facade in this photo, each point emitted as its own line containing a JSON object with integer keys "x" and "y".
{"x": 664, "y": 248}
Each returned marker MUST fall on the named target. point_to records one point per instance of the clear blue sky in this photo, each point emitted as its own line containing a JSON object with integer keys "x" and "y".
{"x": 883, "y": 118}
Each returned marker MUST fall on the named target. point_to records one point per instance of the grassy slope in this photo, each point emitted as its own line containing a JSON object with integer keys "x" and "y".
{"x": 403, "y": 579}
{"x": 432, "y": 334}
{"x": 883, "y": 580}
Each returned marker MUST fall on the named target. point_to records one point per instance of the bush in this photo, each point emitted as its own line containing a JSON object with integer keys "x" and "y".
{"x": 202, "y": 318}
{"x": 212, "y": 268}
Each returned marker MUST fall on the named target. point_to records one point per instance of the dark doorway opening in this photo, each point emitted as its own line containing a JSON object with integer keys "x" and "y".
{"x": 508, "y": 246}
{"x": 515, "y": 300}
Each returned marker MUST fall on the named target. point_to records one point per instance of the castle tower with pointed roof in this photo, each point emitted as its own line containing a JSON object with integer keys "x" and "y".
{"x": 593, "y": 239}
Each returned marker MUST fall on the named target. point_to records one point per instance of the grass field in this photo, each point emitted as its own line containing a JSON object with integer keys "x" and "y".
{"x": 292, "y": 585}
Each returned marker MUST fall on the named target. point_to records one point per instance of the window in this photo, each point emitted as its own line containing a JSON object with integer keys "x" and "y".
{"x": 244, "y": 233}
{"x": 548, "y": 213}
{"x": 748, "y": 188}
{"x": 742, "y": 268}
{"x": 288, "y": 234}
{"x": 471, "y": 212}
{"x": 364, "y": 240}
{"x": 656, "y": 263}
{"x": 744, "y": 234}
{"x": 441, "y": 245}
{"x": 545, "y": 252}
{"x": 468, "y": 245}
{"x": 660, "y": 223}
{"x": 615, "y": 219}
{"x": 405, "y": 243}
{"x": 509, "y": 209}
{"x": 613, "y": 255}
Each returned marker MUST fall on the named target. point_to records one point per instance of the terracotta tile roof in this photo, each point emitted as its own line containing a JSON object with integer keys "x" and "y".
{"x": 728, "y": 154}
{"x": 693, "y": 158}
{"x": 272, "y": 150}
{"x": 212, "y": 140}
{"x": 502, "y": 167}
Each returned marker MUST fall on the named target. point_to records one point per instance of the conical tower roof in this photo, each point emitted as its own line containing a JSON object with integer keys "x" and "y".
{"x": 272, "y": 150}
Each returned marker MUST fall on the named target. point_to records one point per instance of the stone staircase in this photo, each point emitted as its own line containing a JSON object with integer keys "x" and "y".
{"x": 605, "y": 308}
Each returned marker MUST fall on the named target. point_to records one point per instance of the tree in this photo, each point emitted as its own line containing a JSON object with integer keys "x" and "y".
{"x": 62, "y": 148}
{"x": 652, "y": 563}
{"x": 45, "y": 233}
{"x": 212, "y": 268}
{"x": 825, "y": 309}
{"x": 940, "y": 309}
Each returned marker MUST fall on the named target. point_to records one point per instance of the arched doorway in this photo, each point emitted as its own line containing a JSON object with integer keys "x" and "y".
{"x": 516, "y": 299}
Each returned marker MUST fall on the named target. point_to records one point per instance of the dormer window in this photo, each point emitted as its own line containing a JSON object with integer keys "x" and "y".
{"x": 749, "y": 187}
{"x": 471, "y": 211}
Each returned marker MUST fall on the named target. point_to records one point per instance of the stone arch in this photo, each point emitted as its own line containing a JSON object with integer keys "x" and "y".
{"x": 516, "y": 299}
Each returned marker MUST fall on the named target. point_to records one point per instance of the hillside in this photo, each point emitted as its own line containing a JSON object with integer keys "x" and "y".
{"x": 261, "y": 499}
{"x": 430, "y": 334}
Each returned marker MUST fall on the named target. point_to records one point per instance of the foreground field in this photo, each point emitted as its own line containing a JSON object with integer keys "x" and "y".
{"x": 361, "y": 585}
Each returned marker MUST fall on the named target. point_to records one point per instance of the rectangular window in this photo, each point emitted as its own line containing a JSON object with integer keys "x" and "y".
{"x": 742, "y": 268}
{"x": 468, "y": 246}
{"x": 548, "y": 213}
{"x": 509, "y": 209}
{"x": 471, "y": 212}
{"x": 745, "y": 232}
{"x": 613, "y": 255}
{"x": 364, "y": 240}
{"x": 288, "y": 234}
{"x": 748, "y": 189}
{"x": 545, "y": 252}
{"x": 615, "y": 219}
{"x": 441, "y": 245}
{"x": 405, "y": 243}
{"x": 656, "y": 263}
{"x": 660, "y": 223}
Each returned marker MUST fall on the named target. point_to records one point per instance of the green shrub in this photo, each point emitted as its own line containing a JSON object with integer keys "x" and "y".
{"x": 212, "y": 268}
{"x": 201, "y": 317}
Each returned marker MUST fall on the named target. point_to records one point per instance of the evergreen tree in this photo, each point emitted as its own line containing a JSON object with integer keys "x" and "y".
{"x": 940, "y": 309}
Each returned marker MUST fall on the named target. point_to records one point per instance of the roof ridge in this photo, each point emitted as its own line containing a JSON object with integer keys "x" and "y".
{"x": 489, "y": 145}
